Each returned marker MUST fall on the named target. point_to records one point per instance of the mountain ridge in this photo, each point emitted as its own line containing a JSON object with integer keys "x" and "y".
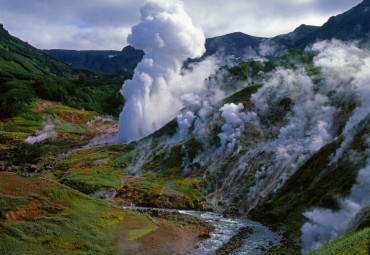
{"x": 352, "y": 24}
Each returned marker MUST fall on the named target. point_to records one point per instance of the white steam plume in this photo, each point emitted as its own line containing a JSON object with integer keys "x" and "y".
{"x": 168, "y": 38}
{"x": 326, "y": 225}
{"x": 346, "y": 69}
{"x": 41, "y": 135}
{"x": 184, "y": 122}
{"x": 233, "y": 128}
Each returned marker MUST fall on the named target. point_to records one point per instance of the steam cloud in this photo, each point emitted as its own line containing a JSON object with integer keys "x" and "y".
{"x": 326, "y": 225}
{"x": 282, "y": 138}
{"x": 346, "y": 69}
{"x": 153, "y": 96}
{"x": 290, "y": 118}
{"x": 233, "y": 128}
{"x": 41, "y": 135}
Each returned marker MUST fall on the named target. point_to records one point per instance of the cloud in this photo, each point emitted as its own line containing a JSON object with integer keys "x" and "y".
{"x": 98, "y": 24}
{"x": 70, "y": 24}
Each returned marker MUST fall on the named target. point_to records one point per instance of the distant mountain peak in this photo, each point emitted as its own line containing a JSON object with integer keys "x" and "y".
{"x": 303, "y": 29}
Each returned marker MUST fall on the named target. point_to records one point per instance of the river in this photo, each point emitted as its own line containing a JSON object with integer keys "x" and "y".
{"x": 225, "y": 229}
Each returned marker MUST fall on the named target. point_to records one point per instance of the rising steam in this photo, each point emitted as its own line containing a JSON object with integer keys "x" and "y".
{"x": 346, "y": 69}
{"x": 326, "y": 225}
{"x": 153, "y": 96}
{"x": 288, "y": 119}
{"x": 41, "y": 135}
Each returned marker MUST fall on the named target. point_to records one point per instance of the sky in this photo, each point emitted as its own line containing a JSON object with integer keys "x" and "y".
{"x": 105, "y": 24}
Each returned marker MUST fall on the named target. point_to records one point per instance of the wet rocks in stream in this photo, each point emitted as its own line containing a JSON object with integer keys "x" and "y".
{"x": 236, "y": 241}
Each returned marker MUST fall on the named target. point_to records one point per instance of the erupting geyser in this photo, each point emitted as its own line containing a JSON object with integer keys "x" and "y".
{"x": 168, "y": 38}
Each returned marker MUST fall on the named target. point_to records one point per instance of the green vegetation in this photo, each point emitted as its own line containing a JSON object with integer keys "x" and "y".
{"x": 27, "y": 74}
{"x": 354, "y": 242}
{"x": 125, "y": 159}
{"x": 59, "y": 221}
{"x": 90, "y": 183}
{"x": 243, "y": 96}
{"x": 37, "y": 217}
{"x": 9, "y": 202}
{"x": 91, "y": 169}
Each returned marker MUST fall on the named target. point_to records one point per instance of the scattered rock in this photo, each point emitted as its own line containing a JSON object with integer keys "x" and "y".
{"x": 235, "y": 242}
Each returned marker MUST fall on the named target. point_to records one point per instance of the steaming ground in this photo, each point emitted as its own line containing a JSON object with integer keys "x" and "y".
{"x": 42, "y": 135}
{"x": 326, "y": 225}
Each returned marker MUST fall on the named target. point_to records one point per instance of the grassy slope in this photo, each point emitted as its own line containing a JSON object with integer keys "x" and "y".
{"x": 90, "y": 169}
{"x": 39, "y": 217}
{"x": 354, "y": 242}
{"x": 60, "y": 221}
{"x": 66, "y": 121}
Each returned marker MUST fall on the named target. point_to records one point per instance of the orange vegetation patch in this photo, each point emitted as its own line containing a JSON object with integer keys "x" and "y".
{"x": 32, "y": 209}
{"x": 4, "y": 147}
{"x": 170, "y": 239}
{"x": 44, "y": 105}
{"x": 105, "y": 127}
{"x": 72, "y": 117}
{"x": 15, "y": 185}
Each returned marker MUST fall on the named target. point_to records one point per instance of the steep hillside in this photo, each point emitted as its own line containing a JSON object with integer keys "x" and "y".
{"x": 285, "y": 142}
{"x": 19, "y": 58}
{"x": 83, "y": 59}
{"x": 27, "y": 74}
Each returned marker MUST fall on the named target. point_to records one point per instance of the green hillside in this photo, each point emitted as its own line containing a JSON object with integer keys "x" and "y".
{"x": 20, "y": 60}
{"x": 27, "y": 74}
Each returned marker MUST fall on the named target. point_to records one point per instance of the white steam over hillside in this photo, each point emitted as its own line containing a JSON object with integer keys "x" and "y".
{"x": 326, "y": 224}
{"x": 153, "y": 96}
{"x": 261, "y": 144}
{"x": 346, "y": 68}
{"x": 248, "y": 149}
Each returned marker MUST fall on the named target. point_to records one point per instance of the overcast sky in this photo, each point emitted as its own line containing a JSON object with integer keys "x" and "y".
{"x": 105, "y": 24}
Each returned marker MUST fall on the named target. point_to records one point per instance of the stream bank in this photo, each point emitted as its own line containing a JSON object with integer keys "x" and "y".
{"x": 227, "y": 234}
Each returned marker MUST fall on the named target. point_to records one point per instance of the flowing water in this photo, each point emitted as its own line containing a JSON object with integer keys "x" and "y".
{"x": 225, "y": 229}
